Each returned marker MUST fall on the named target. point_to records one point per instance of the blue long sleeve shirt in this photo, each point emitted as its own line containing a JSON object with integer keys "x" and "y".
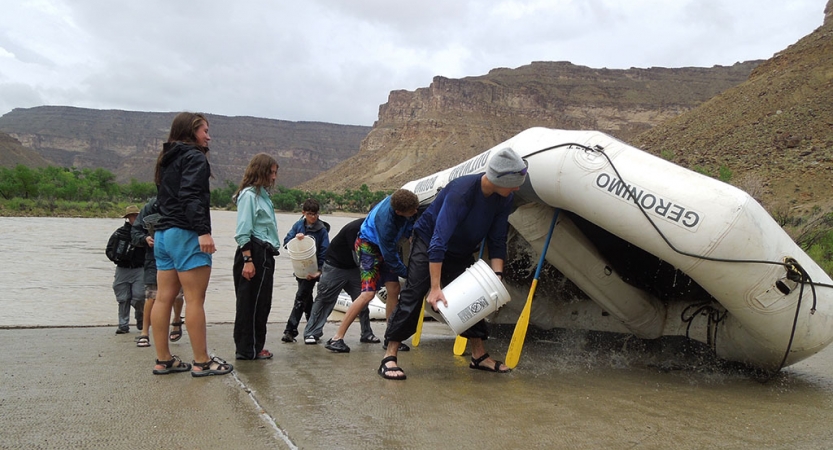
{"x": 460, "y": 217}
{"x": 256, "y": 217}
{"x": 385, "y": 228}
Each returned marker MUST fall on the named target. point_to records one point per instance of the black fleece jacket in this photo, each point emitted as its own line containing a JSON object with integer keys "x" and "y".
{"x": 184, "y": 195}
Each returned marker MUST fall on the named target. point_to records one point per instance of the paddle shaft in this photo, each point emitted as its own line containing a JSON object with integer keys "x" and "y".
{"x": 418, "y": 333}
{"x": 519, "y": 335}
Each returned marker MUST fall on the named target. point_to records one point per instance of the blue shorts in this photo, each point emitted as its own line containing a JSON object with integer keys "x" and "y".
{"x": 178, "y": 249}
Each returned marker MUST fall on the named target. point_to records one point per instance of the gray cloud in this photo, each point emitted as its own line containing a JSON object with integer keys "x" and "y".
{"x": 336, "y": 61}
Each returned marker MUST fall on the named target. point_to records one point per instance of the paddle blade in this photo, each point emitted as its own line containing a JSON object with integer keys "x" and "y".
{"x": 460, "y": 345}
{"x": 418, "y": 333}
{"x": 519, "y": 335}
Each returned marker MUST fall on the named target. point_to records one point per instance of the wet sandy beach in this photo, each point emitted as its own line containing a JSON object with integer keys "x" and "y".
{"x": 67, "y": 381}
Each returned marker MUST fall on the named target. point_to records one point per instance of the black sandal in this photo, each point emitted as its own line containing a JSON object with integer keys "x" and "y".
{"x": 170, "y": 367}
{"x": 475, "y": 364}
{"x": 220, "y": 367}
{"x": 383, "y": 369}
{"x": 176, "y": 334}
{"x": 370, "y": 339}
{"x": 143, "y": 341}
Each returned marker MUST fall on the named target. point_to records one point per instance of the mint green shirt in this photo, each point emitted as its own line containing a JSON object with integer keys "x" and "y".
{"x": 256, "y": 217}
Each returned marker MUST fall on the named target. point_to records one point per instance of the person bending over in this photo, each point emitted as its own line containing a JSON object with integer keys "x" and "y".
{"x": 446, "y": 236}
{"x": 340, "y": 272}
{"x": 379, "y": 260}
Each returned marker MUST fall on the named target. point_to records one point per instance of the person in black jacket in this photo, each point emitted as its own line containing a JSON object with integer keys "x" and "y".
{"x": 340, "y": 271}
{"x": 141, "y": 235}
{"x": 127, "y": 282}
{"x": 183, "y": 244}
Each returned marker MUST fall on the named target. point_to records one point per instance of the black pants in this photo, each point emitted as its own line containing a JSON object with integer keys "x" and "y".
{"x": 302, "y": 305}
{"x": 254, "y": 301}
{"x": 403, "y": 321}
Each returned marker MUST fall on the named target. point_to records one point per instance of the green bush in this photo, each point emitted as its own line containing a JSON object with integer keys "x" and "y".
{"x": 724, "y": 174}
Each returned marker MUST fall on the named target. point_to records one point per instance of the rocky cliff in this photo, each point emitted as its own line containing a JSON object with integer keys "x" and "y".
{"x": 128, "y": 142}
{"x": 432, "y": 128}
{"x": 13, "y": 153}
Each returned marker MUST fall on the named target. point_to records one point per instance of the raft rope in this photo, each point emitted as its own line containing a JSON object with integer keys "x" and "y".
{"x": 794, "y": 270}
{"x": 715, "y": 316}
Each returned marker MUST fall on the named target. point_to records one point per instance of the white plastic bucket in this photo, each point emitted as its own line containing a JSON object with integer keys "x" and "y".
{"x": 471, "y": 297}
{"x": 302, "y": 254}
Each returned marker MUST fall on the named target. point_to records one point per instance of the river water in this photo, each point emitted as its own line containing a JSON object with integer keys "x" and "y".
{"x": 53, "y": 273}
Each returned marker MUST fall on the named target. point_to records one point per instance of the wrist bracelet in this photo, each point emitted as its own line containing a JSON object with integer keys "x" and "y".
{"x": 500, "y": 274}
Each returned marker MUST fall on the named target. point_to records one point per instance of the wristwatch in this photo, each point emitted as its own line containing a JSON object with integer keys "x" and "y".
{"x": 247, "y": 259}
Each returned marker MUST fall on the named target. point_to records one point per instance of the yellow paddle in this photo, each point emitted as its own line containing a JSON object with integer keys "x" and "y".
{"x": 418, "y": 333}
{"x": 519, "y": 335}
{"x": 460, "y": 345}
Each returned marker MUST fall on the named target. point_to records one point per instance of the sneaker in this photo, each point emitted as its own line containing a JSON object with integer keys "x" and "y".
{"x": 372, "y": 339}
{"x": 264, "y": 354}
{"x": 310, "y": 340}
{"x": 287, "y": 337}
{"x": 403, "y": 347}
{"x": 122, "y": 331}
{"x": 337, "y": 346}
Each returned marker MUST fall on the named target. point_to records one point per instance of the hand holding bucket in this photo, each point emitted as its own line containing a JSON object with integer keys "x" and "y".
{"x": 302, "y": 252}
{"x": 471, "y": 297}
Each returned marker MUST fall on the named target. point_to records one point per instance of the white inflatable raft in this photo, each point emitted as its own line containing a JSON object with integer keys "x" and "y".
{"x": 659, "y": 250}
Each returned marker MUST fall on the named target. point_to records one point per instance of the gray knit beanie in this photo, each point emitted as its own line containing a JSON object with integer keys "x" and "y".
{"x": 506, "y": 169}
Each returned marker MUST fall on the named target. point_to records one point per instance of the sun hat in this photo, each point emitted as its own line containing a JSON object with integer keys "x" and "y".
{"x": 132, "y": 209}
{"x": 506, "y": 169}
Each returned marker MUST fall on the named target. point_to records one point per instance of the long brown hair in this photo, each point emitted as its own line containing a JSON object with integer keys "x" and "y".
{"x": 258, "y": 174}
{"x": 183, "y": 129}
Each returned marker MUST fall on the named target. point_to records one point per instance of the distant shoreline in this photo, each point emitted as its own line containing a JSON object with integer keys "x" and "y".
{"x": 116, "y": 213}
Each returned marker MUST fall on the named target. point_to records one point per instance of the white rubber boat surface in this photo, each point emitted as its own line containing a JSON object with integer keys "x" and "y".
{"x": 660, "y": 250}
{"x": 376, "y": 308}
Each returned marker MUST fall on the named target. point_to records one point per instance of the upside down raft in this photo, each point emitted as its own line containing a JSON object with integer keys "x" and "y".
{"x": 656, "y": 250}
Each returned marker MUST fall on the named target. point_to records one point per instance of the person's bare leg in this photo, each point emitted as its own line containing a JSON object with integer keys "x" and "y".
{"x": 478, "y": 350}
{"x": 178, "y": 302}
{"x": 194, "y": 284}
{"x": 167, "y": 288}
{"x": 352, "y": 312}
{"x": 393, "y": 288}
{"x": 146, "y": 316}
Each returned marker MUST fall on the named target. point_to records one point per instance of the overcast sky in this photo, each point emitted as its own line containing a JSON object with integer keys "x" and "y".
{"x": 337, "y": 60}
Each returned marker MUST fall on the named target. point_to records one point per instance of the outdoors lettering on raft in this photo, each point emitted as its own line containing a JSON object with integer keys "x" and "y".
{"x": 425, "y": 185}
{"x": 474, "y": 165}
{"x": 672, "y": 212}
